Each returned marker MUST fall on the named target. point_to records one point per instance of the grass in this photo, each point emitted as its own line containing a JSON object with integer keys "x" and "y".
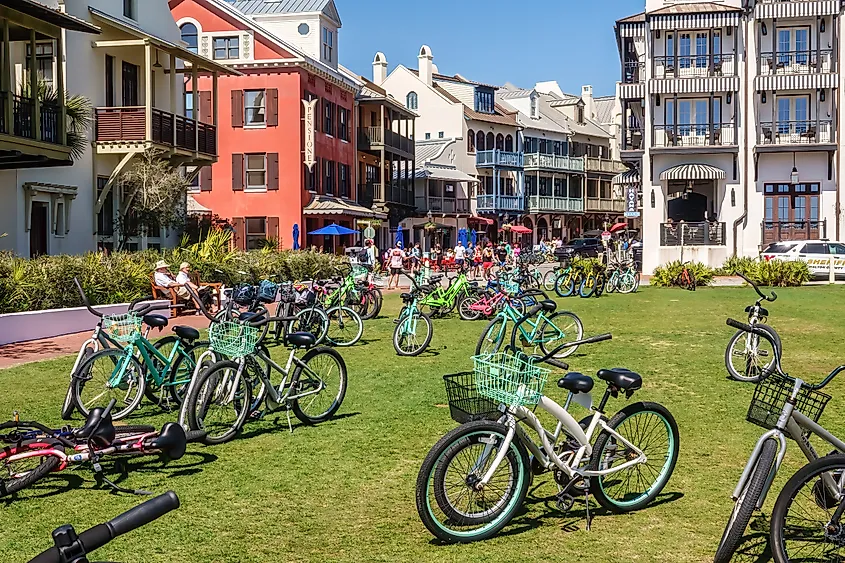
{"x": 344, "y": 490}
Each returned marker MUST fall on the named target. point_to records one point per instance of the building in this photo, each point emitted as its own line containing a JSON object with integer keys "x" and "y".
{"x": 127, "y": 62}
{"x": 278, "y": 179}
{"x": 730, "y": 117}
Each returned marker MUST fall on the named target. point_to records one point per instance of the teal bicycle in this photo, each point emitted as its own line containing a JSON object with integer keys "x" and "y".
{"x": 140, "y": 367}
{"x": 545, "y": 331}
{"x": 414, "y": 330}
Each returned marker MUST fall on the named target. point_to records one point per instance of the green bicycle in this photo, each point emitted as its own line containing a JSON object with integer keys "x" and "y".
{"x": 414, "y": 330}
{"x": 141, "y": 367}
{"x": 623, "y": 278}
{"x": 361, "y": 296}
{"x": 442, "y": 301}
{"x": 545, "y": 332}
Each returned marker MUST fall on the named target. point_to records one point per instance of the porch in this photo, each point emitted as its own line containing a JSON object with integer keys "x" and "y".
{"x": 693, "y": 193}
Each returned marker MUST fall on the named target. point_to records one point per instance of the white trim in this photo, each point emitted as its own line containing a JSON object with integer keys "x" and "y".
{"x": 796, "y": 9}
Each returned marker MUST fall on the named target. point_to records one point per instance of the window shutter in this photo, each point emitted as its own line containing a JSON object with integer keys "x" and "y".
{"x": 205, "y": 107}
{"x": 273, "y": 230}
{"x": 273, "y": 171}
{"x": 237, "y": 108}
{"x": 240, "y": 232}
{"x": 272, "y": 98}
{"x": 205, "y": 179}
{"x": 237, "y": 172}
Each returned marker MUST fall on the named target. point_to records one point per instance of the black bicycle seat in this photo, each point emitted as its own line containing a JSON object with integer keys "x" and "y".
{"x": 97, "y": 429}
{"x": 300, "y": 339}
{"x": 171, "y": 441}
{"x": 576, "y": 382}
{"x": 187, "y": 333}
{"x": 155, "y": 321}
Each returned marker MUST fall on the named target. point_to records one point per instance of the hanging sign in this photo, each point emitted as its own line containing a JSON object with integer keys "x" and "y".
{"x": 310, "y": 112}
{"x": 369, "y": 232}
{"x": 631, "y": 201}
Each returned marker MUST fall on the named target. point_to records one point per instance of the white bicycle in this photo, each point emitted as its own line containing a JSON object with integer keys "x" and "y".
{"x": 474, "y": 479}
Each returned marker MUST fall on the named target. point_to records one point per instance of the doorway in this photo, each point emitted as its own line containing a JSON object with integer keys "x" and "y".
{"x": 130, "y": 84}
{"x": 38, "y": 229}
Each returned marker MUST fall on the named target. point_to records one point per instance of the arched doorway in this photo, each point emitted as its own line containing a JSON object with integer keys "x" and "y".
{"x": 542, "y": 229}
{"x": 527, "y": 240}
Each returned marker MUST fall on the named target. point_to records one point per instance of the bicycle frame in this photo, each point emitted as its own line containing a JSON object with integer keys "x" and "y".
{"x": 147, "y": 352}
{"x": 441, "y": 297}
{"x": 510, "y": 314}
{"x": 83, "y": 453}
{"x": 410, "y": 320}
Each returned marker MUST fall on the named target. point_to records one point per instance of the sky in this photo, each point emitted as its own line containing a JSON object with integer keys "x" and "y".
{"x": 491, "y": 41}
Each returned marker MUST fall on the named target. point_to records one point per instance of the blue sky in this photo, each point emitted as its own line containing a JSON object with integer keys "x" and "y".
{"x": 491, "y": 41}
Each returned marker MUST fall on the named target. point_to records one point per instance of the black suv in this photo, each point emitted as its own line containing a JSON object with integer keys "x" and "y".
{"x": 581, "y": 248}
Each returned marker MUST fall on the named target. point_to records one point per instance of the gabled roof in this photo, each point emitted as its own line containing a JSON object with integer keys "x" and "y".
{"x": 50, "y": 15}
{"x": 604, "y": 109}
{"x": 445, "y": 93}
{"x": 502, "y": 117}
{"x": 372, "y": 92}
{"x": 456, "y": 78}
{"x": 547, "y": 120}
{"x": 636, "y": 18}
{"x": 426, "y": 151}
{"x": 260, "y": 7}
{"x": 694, "y": 8}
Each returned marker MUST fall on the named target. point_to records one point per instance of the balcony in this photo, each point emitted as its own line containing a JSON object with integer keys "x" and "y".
{"x": 606, "y": 205}
{"x": 370, "y": 138}
{"x": 633, "y": 72}
{"x": 694, "y": 135}
{"x": 777, "y": 231}
{"x": 703, "y": 233}
{"x": 23, "y": 122}
{"x": 369, "y": 194}
{"x": 447, "y": 205}
{"x": 797, "y": 62}
{"x": 634, "y": 139}
{"x": 495, "y": 203}
{"x": 122, "y": 125}
{"x": 537, "y": 161}
{"x": 805, "y": 132}
{"x": 499, "y": 159}
{"x": 604, "y": 165}
{"x": 543, "y": 204}
{"x": 695, "y": 66}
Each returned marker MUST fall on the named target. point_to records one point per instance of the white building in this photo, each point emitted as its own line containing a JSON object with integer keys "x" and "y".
{"x": 730, "y": 113}
{"x": 130, "y": 65}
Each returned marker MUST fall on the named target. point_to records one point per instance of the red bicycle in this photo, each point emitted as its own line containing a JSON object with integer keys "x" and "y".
{"x": 686, "y": 279}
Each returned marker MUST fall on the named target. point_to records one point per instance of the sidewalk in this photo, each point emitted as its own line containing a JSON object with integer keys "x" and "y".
{"x": 49, "y": 348}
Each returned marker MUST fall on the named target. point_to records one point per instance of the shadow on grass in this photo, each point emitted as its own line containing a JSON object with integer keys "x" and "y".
{"x": 45, "y": 488}
{"x": 278, "y": 422}
{"x": 190, "y": 464}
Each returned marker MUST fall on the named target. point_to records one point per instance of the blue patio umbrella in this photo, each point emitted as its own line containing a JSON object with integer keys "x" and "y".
{"x": 462, "y": 236}
{"x": 333, "y": 230}
{"x": 296, "y": 236}
{"x": 400, "y": 237}
{"x": 473, "y": 236}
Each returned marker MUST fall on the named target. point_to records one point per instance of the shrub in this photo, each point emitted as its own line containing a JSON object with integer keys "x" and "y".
{"x": 665, "y": 276}
{"x": 777, "y": 273}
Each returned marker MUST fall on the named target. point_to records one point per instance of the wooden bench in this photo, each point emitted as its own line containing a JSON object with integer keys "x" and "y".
{"x": 167, "y": 294}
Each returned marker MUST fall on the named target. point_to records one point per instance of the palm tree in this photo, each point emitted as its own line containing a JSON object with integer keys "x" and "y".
{"x": 79, "y": 111}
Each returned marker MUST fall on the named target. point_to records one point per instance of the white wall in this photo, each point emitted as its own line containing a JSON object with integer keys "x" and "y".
{"x": 435, "y": 112}
{"x": 286, "y": 27}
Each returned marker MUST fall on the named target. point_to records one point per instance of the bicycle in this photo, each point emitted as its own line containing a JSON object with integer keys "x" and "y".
{"x": 118, "y": 373}
{"x": 442, "y": 301}
{"x": 406, "y": 341}
{"x": 622, "y": 277}
{"x": 228, "y": 384}
{"x": 593, "y": 281}
{"x": 70, "y": 548}
{"x": 570, "y": 279}
{"x": 487, "y": 303}
{"x": 473, "y": 481}
{"x": 345, "y": 326}
{"x": 745, "y": 348}
{"x": 685, "y": 279}
{"x": 785, "y": 407}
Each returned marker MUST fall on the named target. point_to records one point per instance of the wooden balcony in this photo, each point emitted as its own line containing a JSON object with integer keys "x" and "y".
{"x": 127, "y": 125}
{"x": 778, "y": 231}
{"x": 607, "y": 205}
{"x": 543, "y": 204}
{"x": 537, "y": 161}
{"x": 370, "y": 194}
{"x": 605, "y": 165}
{"x": 370, "y": 138}
{"x": 499, "y": 159}
{"x": 495, "y": 203}
{"x": 445, "y": 205}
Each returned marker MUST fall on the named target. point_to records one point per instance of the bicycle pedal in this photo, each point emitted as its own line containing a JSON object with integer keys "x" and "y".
{"x": 564, "y": 502}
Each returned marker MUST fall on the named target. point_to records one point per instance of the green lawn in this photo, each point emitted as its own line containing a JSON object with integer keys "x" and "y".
{"x": 344, "y": 490}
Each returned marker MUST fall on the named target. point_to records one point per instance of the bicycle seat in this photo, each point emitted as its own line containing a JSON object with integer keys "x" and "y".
{"x": 405, "y": 296}
{"x": 171, "y": 441}
{"x": 549, "y": 306}
{"x": 576, "y": 382}
{"x": 763, "y": 312}
{"x": 155, "y": 321}
{"x": 249, "y": 316}
{"x": 300, "y": 339}
{"x": 102, "y": 436}
{"x": 187, "y": 333}
{"x": 621, "y": 378}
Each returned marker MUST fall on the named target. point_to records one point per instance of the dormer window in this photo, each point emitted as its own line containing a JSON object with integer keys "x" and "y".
{"x": 534, "y": 111}
{"x": 580, "y": 113}
{"x": 485, "y": 100}
{"x": 328, "y": 44}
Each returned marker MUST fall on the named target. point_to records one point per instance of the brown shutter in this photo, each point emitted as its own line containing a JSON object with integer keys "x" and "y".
{"x": 205, "y": 107}
{"x": 272, "y": 98}
{"x": 237, "y": 108}
{"x": 237, "y": 172}
{"x": 205, "y": 179}
{"x": 273, "y": 171}
{"x": 273, "y": 230}
{"x": 240, "y": 232}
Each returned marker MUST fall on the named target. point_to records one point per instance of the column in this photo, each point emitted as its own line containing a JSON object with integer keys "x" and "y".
{"x": 148, "y": 90}
{"x": 33, "y": 87}
{"x": 8, "y": 87}
{"x": 62, "y": 97}
{"x": 173, "y": 90}
{"x": 196, "y": 95}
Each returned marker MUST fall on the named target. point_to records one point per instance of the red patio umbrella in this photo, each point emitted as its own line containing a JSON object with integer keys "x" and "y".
{"x": 618, "y": 227}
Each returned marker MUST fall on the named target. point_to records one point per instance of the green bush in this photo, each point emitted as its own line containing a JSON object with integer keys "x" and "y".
{"x": 665, "y": 276}
{"x": 777, "y": 273}
{"x": 46, "y": 282}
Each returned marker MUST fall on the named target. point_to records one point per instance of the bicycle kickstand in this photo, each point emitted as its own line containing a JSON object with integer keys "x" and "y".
{"x": 101, "y": 479}
{"x": 290, "y": 428}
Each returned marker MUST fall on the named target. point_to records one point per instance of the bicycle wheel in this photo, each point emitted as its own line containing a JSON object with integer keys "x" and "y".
{"x": 219, "y": 402}
{"x": 448, "y": 503}
{"x": 68, "y": 406}
{"x": 465, "y": 310}
{"x": 153, "y": 391}
{"x": 493, "y": 338}
{"x": 747, "y": 355}
{"x": 746, "y": 503}
{"x": 627, "y": 282}
{"x": 324, "y": 376}
{"x": 587, "y": 286}
{"x": 184, "y": 367}
{"x": 109, "y": 374}
{"x": 652, "y": 429}
{"x": 345, "y": 326}
{"x": 558, "y": 329}
{"x": 16, "y": 475}
{"x": 550, "y": 280}
{"x": 612, "y": 282}
{"x": 601, "y": 281}
{"x": 407, "y": 338}
{"x": 803, "y": 526}
{"x": 311, "y": 320}
{"x": 565, "y": 285}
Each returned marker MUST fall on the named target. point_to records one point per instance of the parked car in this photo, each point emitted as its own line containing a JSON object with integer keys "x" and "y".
{"x": 581, "y": 248}
{"x": 816, "y": 253}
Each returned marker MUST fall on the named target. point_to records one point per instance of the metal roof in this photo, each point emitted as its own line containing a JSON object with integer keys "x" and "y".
{"x": 259, "y": 7}
{"x": 604, "y": 109}
{"x": 426, "y": 151}
{"x": 50, "y": 15}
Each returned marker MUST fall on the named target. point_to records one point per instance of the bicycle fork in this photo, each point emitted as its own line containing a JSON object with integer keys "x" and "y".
{"x": 752, "y": 462}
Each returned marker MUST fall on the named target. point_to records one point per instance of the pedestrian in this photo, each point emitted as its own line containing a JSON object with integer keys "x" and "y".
{"x": 516, "y": 250}
{"x": 397, "y": 257}
{"x": 502, "y": 254}
{"x": 487, "y": 259}
{"x": 477, "y": 261}
{"x": 372, "y": 253}
{"x": 437, "y": 256}
{"x": 416, "y": 256}
{"x": 183, "y": 278}
{"x": 460, "y": 256}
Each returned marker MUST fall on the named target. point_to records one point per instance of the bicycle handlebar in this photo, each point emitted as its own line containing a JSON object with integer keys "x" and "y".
{"x": 549, "y": 358}
{"x": 773, "y": 297}
{"x": 85, "y": 301}
{"x": 98, "y": 536}
{"x": 197, "y": 299}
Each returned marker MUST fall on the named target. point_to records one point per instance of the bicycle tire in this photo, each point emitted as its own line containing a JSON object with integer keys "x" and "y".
{"x": 499, "y": 340}
{"x": 601, "y": 280}
{"x": 125, "y": 429}
{"x": 732, "y": 371}
{"x": 465, "y": 312}
{"x": 610, "y": 284}
{"x": 329, "y": 412}
{"x": 565, "y": 290}
{"x": 398, "y": 334}
{"x": 343, "y": 317}
{"x": 152, "y": 390}
{"x": 200, "y": 398}
{"x": 311, "y": 320}
{"x": 69, "y": 406}
{"x": 746, "y": 504}
{"x": 579, "y": 333}
{"x": 550, "y": 280}
{"x": 584, "y": 290}
{"x": 177, "y": 391}
{"x": 82, "y": 378}
{"x": 10, "y": 485}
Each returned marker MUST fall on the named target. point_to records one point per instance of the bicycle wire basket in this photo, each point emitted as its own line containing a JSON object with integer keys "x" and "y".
{"x": 358, "y": 270}
{"x": 122, "y": 328}
{"x": 510, "y": 287}
{"x": 771, "y": 394}
{"x": 509, "y": 378}
{"x": 233, "y": 339}
{"x": 465, "y": 403}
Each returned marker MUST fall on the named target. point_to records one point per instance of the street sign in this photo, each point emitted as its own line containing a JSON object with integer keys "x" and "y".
{"x": 369, "y": 232}
{"x": 605, "y": 236}
{"x": 631, "y": 200}
{"x": 632, "y": 214}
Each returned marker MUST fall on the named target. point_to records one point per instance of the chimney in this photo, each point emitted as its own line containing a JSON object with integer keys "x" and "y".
{"x": 379, "y": 68}
{"x": 426, "y": 65}
{"x": 587, "y": 98}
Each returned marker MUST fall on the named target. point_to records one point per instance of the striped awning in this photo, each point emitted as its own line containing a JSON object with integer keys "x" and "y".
{"x": 631, "y": 30}
{"x": 693, "y": 172}
{"x": 769, "y": 10}
{"x": 704, "y": 84}
{"x": 695, "y": 21}
{"x": 796, "y": 82}
{"x": 627, "y": 178}
{"x": 632, "y": 91}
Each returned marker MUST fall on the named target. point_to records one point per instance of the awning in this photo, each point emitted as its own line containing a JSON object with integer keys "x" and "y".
{"x": 51, "y": 15}
{"x": 482, "y": 220}
{"x": 434, "y": 172}
{"x": 520, "y": 230}
{"x": 627, "y": 178}
{"x": 196, "y": 208}
{"x": 693, "y": 172}
{"x": 328, "y": 205}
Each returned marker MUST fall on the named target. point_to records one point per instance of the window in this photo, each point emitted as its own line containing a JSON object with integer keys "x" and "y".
{"x": 500, "y": 142}
{"x": 43, "y": 61}
{"x": 670, "y": 52}
{"x": 328, "y": 120}
{"x": 343, "y": 172}
{"x": 440, "y": 134}
{"x": 328, "y": 44}
{"x": 303, "y": 29}
{"x": 484, "y": 100}
{"x": 693, "y": 49}
{"x": 256, "y": 172}
{"x": 534, "y": 112}
{"x": 791, "y": 212}
{"x": 129, "y": 9}
{"x": 412, "y": 101}
{"x": 470, "y": 141}
{"x": 189, "y": 36}
{"x": 109, "y": 81}
{"x": 311, "y": 178}
{"x": 195, "y": 183}
{"x": 254, "y": 108}
{"x": 226, "y": 48}
{"x": 491, "y": 142}
{"x": 427, "y": 136}
{"x": 328, "y": 177}
{"x": 105, "y": 218}
{"x": 189, "y": 105}
{"x": 479, "y": 141}
{"x": 793, "y": 113}
{"x": 256, "y": 232}
{"x": 343, "y": 123}
{"x": 509, "y": 143}
{"x": 793, "y": 46}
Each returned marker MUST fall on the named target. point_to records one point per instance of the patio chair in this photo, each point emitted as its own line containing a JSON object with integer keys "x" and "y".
{"x": 671, "y": 138}
{"x": 166, "y": 294}
{"x": 809, "y": 134}
{"x": 767, "y": 135}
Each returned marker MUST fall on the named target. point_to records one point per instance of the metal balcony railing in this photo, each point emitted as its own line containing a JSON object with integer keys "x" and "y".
{"x": 634, "y": 139}
{"x": 554, "y": 162}
{"x": 796, "y": 132}
{"x": 499, "y": 203}
{"x": 435, "y": 204}
{"x": 797, "y": 62}
{"x": 704, "y": 233}
{"x": 694, "y": 135}
{"x": 542, "y": 203}
{"x": 633, "y": 72}
{"x": 689, "y": 66}
{"x": 498, "y": 157}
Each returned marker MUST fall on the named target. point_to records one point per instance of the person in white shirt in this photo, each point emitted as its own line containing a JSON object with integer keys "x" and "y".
{"x": 183, "y": 278}
{"x": 460, "y": 256}
{"x": 165, "y": 280}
